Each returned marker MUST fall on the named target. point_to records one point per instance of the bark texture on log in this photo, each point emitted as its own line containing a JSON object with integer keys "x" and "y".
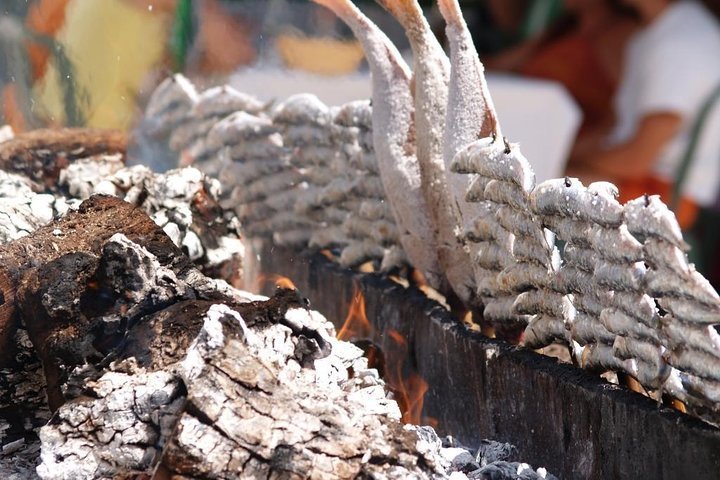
{"x": 70, "y": 245}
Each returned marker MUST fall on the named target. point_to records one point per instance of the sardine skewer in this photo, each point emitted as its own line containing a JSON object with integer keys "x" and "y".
{"x": 393, "y": 132}
{"x": 431, "y": 72}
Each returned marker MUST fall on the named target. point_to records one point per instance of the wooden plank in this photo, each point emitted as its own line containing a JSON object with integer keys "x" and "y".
{"x": 571, "y": 422}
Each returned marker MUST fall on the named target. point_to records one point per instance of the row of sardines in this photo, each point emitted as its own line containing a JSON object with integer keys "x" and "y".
{"x": 565, "y": 262}
{"x": 299, "y": 173}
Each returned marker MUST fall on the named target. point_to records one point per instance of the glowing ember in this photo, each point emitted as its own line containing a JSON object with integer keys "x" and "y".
{"x": 278, "y": 280}
{"x": 328, "y": 254}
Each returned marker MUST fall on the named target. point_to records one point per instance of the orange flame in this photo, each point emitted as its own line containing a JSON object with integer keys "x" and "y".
{"x": 327, "y": 254}
{"x": 356, "y": 325}
{"x": 418, "y": 278}
{"x": 410, "y": 391}
{"x": 279, "y": 280}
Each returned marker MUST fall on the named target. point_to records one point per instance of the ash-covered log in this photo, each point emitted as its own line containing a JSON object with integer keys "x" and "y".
{"x": 41, "y": 154}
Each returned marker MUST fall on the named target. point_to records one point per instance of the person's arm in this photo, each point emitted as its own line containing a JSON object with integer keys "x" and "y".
{"x": 633, "y": 159}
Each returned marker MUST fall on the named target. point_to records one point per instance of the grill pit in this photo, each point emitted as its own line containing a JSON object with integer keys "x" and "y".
{"x": 573, "y": 423}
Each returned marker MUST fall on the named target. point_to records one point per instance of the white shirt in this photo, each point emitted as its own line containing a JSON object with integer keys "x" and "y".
{"x": 673, "y": 65}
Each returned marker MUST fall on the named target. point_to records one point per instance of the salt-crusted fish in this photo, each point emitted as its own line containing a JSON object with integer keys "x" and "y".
{"x": 649, "y": 217}
{"x": 485, "y": 228}
{"x": 587, "y": 330}
{"x": 506, "y": 193}
{"x": 375, "y": 209}
{"x": 527, "y": 249}
{"x": 569, "y": 230}
{"x": 497, "y": 160}
{"x": 223, "y": 100}
{"x": 369, "y": 187}
{"x": 561, "y": 197}
{"x": 475, "y": 192}
{"x": 616, "y": 244}
{"x": 328, "y": 237}
{"x": 551, "y": 303}
{"x": 544, "y": 330}
{"x": 431, "y": 71}
{"x": 604, "y": 209}
{"x": 267, "y": 186}
{"x": 592, "y": 302}
{"x": 394, "y": 257}
{"x": 355, "y": 113}
{"x": 382, "y": 231}
{"x": 339, "y": 190}
{"x": 392, "y": 130}
{"x": 471, "y": 114}
{"x": 620, "y": 323}
{"x": 694, "y": 285}
{"x": 519, "y": 222}
{"x": 360, "y": 252}
{"x": 184, "y": 135}
{"x": 579, "y": 257}
{"x": 678, "y": 335}
{"x": 662, "y": 255}
{"x": 601, "y": 357}
{"x": 623, "y": 277}
{"x": 522, "y": 276}
{"x": 266, "y": 148}
{"x": 638, "y": 305}
{"x": 241, "y": 126}
{"x": 492, "y": 256}
{"x": 691, "y": 311}
{"x": 692, "y": 389}
{"x": 573, "y": 280}
{"x": 302, "y": 109}
{"x": 696, "y": 362}
{"x": 175, "y": 93}
{"x": 487, "y": 284}
{"x": 500, "y": 310}
{"x": 309, "y": 136}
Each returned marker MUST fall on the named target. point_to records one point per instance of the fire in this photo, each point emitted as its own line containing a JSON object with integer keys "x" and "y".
{"x": 356, "y": 325}
{"x": 409, "y": 390}
{"x": 279, "y": 280}
{"x": 327, "y": 254}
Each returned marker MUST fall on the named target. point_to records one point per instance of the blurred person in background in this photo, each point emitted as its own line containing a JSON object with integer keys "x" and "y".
{"x": 671, "y": 70}
{"x": 582, "y": 50}
{"x": 114, "y": 53}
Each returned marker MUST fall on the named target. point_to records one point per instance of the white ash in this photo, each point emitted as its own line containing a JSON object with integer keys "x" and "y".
{"x": 124, "y": 427}
{"x": 182, "y": 201}
{"x": 22, "y": 210}
{"x": 6, "y": 133}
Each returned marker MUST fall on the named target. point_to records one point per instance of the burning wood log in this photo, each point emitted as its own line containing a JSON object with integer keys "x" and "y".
{"x": 41, "y": 154}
